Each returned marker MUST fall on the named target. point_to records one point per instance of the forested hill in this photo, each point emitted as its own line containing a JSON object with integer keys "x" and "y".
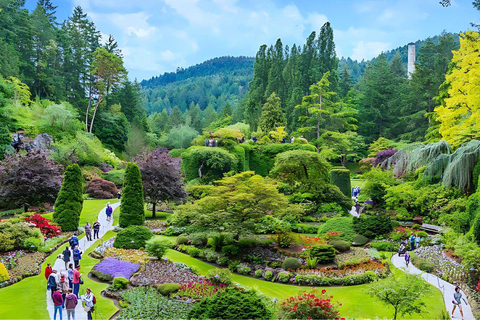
{"x": 213, "y": 82}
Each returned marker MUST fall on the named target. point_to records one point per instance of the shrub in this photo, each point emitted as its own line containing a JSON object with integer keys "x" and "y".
{"x": 3, "y": 273}
{"x": 132, "y": 205}
{"x": 119, "y": 283}
{"x": 218, "y": 241}
{"x": 268, "y": 275}
{"x": 309, "y": 305}
{"x": 115, "y": 176}
{"x": 181, "y": 240}
{"x": 211, "y": 256}
{"x": 219, "y": 276}
{"x": 232, "y": 304}
{"x": 157, "y": 247}
{"x": 214, "y": 161}
{"x": 476, "y": 228}
{"x": 258, "y": 273}
{"x": 284, "y": 277}
{"x": 340, "y": 245}
{"x": 284, "y": 239}
{"x": 199, "y": 240}
{"x": 174, "y": 231}
{"x": 384, "y": 246}
{"x": 48, "y": 230}
{"x": 312, "y": 262}
{"x": 223, "y": 261}
{"x": 32, "y": 244}
{"x": 422, "y": 264}
{"x": 377, "y": 183}
{"x": 372, "y": 226}
{"x": 359, "y": 240}
{"x": 291, "y": 264}
{"x": 167, "y": 289}
{"x": 339, "y": 224}
{"x": 194, "y": 252}
{"x": 246, "y": 243}
{"x": 99, "y": 188}
{"x": 243, "y": 269}
{"x": 231, "y": 250}
{"x": 340, "y": 177}
{"x": 133, "y": 237}
{"x": 69, "y": 202}
{"x": 323, "y": 252}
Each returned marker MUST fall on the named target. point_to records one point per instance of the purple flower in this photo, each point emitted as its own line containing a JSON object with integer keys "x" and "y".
{"x": 117, "y": 268}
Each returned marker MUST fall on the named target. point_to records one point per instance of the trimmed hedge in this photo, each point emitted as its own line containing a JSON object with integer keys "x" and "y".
{"x": 133, "y": 237}
{"x": 291, "y": 263}
{"x": 340, "y": 245}
{"x": 372, "y": 226}
{"x": 359, "y": 240}
{"x": 132, "y": 205}
{"x": 340, "y": 177}
{"x": 323, "y": 252}
{"x": 69, "y": 203}
{"x": 314, "y": 280}
{"x": 339, "y": 224}
{"x": 119, "y": 283}
{"x": 215, "y": 161}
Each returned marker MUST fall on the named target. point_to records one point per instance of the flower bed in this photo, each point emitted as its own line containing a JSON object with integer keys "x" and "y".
{"x": 159, "y": 272}
{"x": 48, "y": 229}
{"x": 310, "y": 305}
{"x": 355, "y": 279}
{"x": 26, "y": 265}
{"x": 131, "y": 255}
{"x": 10, "y": 259}
{"x": 201, "y": 289}
{"x": 345, "y": 271}
{"x": 353, "y": 257}
{"x": 111, "y": 268}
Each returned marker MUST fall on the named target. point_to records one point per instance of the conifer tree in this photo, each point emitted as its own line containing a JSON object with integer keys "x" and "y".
{"x": 69, "y": 203}
{"x": 132, "y": 206}
{"x": 272, "y": 114}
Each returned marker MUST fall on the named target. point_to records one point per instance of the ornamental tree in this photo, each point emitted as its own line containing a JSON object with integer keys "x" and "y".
{"x": 70, "y": 199}
{"x": 29, "y": 180}
{"x": 132, "y": 205}
{"x": 161, "y": 178}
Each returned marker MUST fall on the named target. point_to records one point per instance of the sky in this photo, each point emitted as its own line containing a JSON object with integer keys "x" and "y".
{"x": 157, "y": 36}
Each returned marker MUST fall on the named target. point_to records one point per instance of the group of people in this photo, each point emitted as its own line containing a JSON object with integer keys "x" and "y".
{"x": 88, "y": 230}
{"x": 356, "y": 192}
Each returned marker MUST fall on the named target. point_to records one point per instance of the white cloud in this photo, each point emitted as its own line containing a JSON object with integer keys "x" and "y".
{"x": 369, "y": 49}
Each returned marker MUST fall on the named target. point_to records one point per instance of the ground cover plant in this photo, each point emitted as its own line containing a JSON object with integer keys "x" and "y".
{"x": 117, "y": 268}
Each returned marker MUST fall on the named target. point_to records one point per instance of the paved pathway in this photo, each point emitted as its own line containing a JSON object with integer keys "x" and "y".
{"x": 446, "y": 288}
{"x": 83, "y": 245}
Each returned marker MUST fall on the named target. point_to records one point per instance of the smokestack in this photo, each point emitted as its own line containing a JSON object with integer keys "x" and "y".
{"x": 411, "y": 60}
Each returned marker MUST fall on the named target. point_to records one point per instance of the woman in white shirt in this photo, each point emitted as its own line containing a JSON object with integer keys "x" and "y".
{"x": 89, "y": 298}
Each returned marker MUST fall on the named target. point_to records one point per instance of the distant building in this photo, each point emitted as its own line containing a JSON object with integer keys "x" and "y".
{"x": 411, "y": 60}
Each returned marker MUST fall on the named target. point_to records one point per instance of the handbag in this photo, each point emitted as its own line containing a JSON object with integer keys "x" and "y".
{"x": 87, "y": 309}
{"x": 81, "y": 281}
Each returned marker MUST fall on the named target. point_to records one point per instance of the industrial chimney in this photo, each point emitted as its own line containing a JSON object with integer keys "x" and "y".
{"x": 411, "y": 60}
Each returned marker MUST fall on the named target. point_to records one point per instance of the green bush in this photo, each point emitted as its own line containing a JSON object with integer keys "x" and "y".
{"x": 194, "y": 252}
{"x": 132, "y": 205}
{"x": 3, "y": 273}
{"x": 119, "y": 283}
{"x": 218, "y": 241}
{"x": 32, "y": 244}
{"x": 246, "y": 243}
{"x": 199, "y": 240}
{"x": 339, "y": 224}
{"x": 258, "y": 273}
{"x": 133, "y": 237}
{"x": 305, "y": 228}
{"x": 340, "y": 245}
{"x": 312, "y": 262}
{"x": 291, "y": 264}
{"x": 473, "y": 205}
{"x": 340, "y": 177}
{"x": 101, "y": 276}
{"x": 243, "y": 269}
{"x": 214, "y": 162}
{"x": 268, "y": 275}
{"x": 284, "y": 239}
{"x": 231, "y": 250}
{"x": 157, "y": 247}
{"x": 377, "y": 183}
{"x": 176, "y": 153}
{"x": 69, "y": 202}
{"x": 167, "y": 289}
{"x": 181, "y": 240}
{"x": 219, "y": 276}
{"x": 115, "y": 176}
{"x": 232, "y": 304}
{"x": 372, "y": 226}
{"x": 174, "y": 231}
{"x": 283, "y": 277}
{"x": 223, "y": 261}
{"x": 323, "y": 252}
{"x": 422, "y": 264}
{"x": 384, "y": 246}
{"x": 360, "y": 240}
{"x": 476, "y": 228}
{"x": 211, "y": 256}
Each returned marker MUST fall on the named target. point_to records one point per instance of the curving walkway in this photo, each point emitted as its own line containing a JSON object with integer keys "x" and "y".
{"x": 446, "y": 288}
{"x": 83, "y": 245}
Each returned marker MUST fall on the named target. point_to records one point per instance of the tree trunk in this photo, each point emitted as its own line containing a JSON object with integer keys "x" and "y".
{"x": 200, "y": 171}
{"x": 95, "y": 112}
{"x": 153, "y": 210}
{"x": 306, "y": 171}
{"x": 88, "y": 110}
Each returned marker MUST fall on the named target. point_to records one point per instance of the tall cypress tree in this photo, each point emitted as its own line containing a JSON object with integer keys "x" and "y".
{"x": 272, "y": 115}
{"x": 132, "y": 206}
{"x": 69, "y": 203}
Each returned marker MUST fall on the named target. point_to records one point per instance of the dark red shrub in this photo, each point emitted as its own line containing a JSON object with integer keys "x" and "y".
{"x": 382, "y": 156}
{"x": 101, "y": 189}
{"x": 48, "y": 229}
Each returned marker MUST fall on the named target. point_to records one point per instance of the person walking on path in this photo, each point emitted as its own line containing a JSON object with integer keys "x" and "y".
{"x": 71, "y": 302}
{"x": 77, "y": 255}
{"x": 417, "y": 241}
{"x": 64, "y": 288}
{"x": 96, "y": 229}
{"x": 73, "y": 241}
{"x": 89, "y": 300}
{"x": 53, "y": 281}
{"x": 70, "y": 275}
{"x": 457, "y": 301}
{"x": 57, "y": 302}
{"x": 412, "y": 242}
{"x": 407, "y": 258}
{"x": 66, "y": 256}
{"x": 108, "y": 211}
{"x": 76, "y": 280}
{"x": 48, "y": 271}
{"x": 88, "y": 231}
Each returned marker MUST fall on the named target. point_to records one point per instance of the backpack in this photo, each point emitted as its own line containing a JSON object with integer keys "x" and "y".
{"x": 94, "y": 300}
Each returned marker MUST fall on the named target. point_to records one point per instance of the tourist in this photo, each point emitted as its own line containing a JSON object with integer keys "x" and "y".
{"x": 96, "y": 229}
{"x": 48, "y": 271}
{"x": 108, "y": 211}
{"x": 457, "y": 301}
{"x": 292, "y": 139}
{"x": 407, "y": 258}
{"x": 119, "y": 195}
{"x": 77, "y": 256}
{"x": 57, "y": 302}
{"x": 412, "y": 242}
{"x": 64, "y": 287}
{"x": 70, "y": 275}
{"x": 88, "y": 231}
{"x": 254, "y": 139}
{"x": 357, "y": 206}
{"x": 73, "y": 241}
{"x": 66, "y": 256}
{"x": 70, "y": 304}
{"x": 53, "y": 281}
{"x": 417, "y": 241}
{"x": 89, "y": 300}
{"x": 402, "y": 249}
{"x": 76, "y": 280}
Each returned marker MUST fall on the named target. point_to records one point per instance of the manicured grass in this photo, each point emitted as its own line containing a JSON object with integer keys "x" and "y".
{"x": 159, "y": 215}
{"x": 90, "y": 211}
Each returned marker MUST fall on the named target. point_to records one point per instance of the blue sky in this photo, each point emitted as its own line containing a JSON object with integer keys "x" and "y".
{"x": 160, "y": 35}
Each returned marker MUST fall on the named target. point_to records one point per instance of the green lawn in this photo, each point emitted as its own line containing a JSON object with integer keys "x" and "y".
{"x": 159, "y": 215}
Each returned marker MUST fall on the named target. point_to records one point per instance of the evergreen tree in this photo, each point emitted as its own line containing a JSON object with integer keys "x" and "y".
{"x": 69, "y": 203}
{"x": 132, "y": 205}
{"x": 345, "y": 83}
{"x": 272, "y": 115}
{"x": 256, "y": 97}
{"x": 112, "y": 46}
{"x": 226, "y": 111}
{"x": 5, "y": 140}
{"x": 176, "y": 117}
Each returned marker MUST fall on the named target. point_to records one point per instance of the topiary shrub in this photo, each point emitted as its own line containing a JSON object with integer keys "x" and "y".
{"x": 99, "y": 188}
{"x": 291, "y": 264}
{"x": 384, "y": 246}
{"x": 340, "y": 177}
{"x": 342, "y": 225}
{"x": 119, "y": 283}
{"x": 372, "y": 226}
{"x": 181, "y": 240}
{"x": 157, "y": 247}
{"x": 69, "y": 202}
{"x": 323, "y": 252}
{"x": 359, "y": 240}
{"x": 167, "y": 289}
{"x": 3, "y": 273}
{"x": 133, "y": 237}
{"x": 340, "y": 245}
{"x": 132, "y": 205}
{"x": 232, "y": 303}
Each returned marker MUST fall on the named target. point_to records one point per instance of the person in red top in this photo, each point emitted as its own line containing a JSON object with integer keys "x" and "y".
{"x": 76, "y": 280}
{"x": 57, "y": 302}
{"x": 48, "y": 271}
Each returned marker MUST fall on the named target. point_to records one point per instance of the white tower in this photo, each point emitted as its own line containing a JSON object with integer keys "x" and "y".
{"x": 411, "y": 60}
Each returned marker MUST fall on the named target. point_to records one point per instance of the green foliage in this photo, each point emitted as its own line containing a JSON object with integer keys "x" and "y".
{"x": 284, "y": 239}
{"x": 119, "y": 283}
{"x": 343, "y": 225}
{"x": 272, "y": 115}
{"x": 243, "y": 269}
{"x": 476, "y": 175}
{"x": 157, "y": 247}
{"x": 340, "y": 245}
{"x": 207, "y": 162}
{"x": 3, "y": 273}
{"x": 372, "y": 226}
{"x": 194, "y": 252}
{"x": 323, "y": 252}
{"x": 360, "y": 240}
{"x": 5, "y": 140}
{"x": 59, "y": 120}
{"x": 291, "y": 264}
{"x": 179, "y": 137}
{"x": 115, "y": 176}
{"x": 476, "y": 228}
{"x": 132, "y": 237}
{"x": 219, "y": 276}
{"x": 283, "y": 277}
{"x": 377, "y": 183}
{"x": 268, "y": 275}
{"x": 232, "y": 304}
{"x": 132, "y": 205}
{"x": 69, "y": 203}
{"x": 199, "y": 240}
{"x": 166, "y": 289}
{"x": 384, "y": 246}
{"x": 300, "y": 166}
{"x": 341, "y": 178}
{"x": 379, "y": 145}
{"x": 422, "y": 264}
{"x": 312, "y": 262}
{"x": 181, "y": 240}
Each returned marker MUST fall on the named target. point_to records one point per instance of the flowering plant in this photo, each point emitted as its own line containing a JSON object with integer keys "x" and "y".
{"x": 307, "y": 242}
{"x": 346, "y": 270}
{"x": 132, "y": 255}
{"x": 478, "y": 286}
{"x": 331, "y": 235}
{"x": 49, "y": 230}
{"x": 202, "y": 289}
{"x": 117, "y": 268}
{"x": 310, "y": 305}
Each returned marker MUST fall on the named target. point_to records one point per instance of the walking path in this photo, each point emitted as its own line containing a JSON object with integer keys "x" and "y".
{"x": 446, "y": 288}
{"x": 83, "y": 245}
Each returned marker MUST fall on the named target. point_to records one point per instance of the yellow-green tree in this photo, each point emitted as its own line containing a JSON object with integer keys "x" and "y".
{"x": 459, "y": 114}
